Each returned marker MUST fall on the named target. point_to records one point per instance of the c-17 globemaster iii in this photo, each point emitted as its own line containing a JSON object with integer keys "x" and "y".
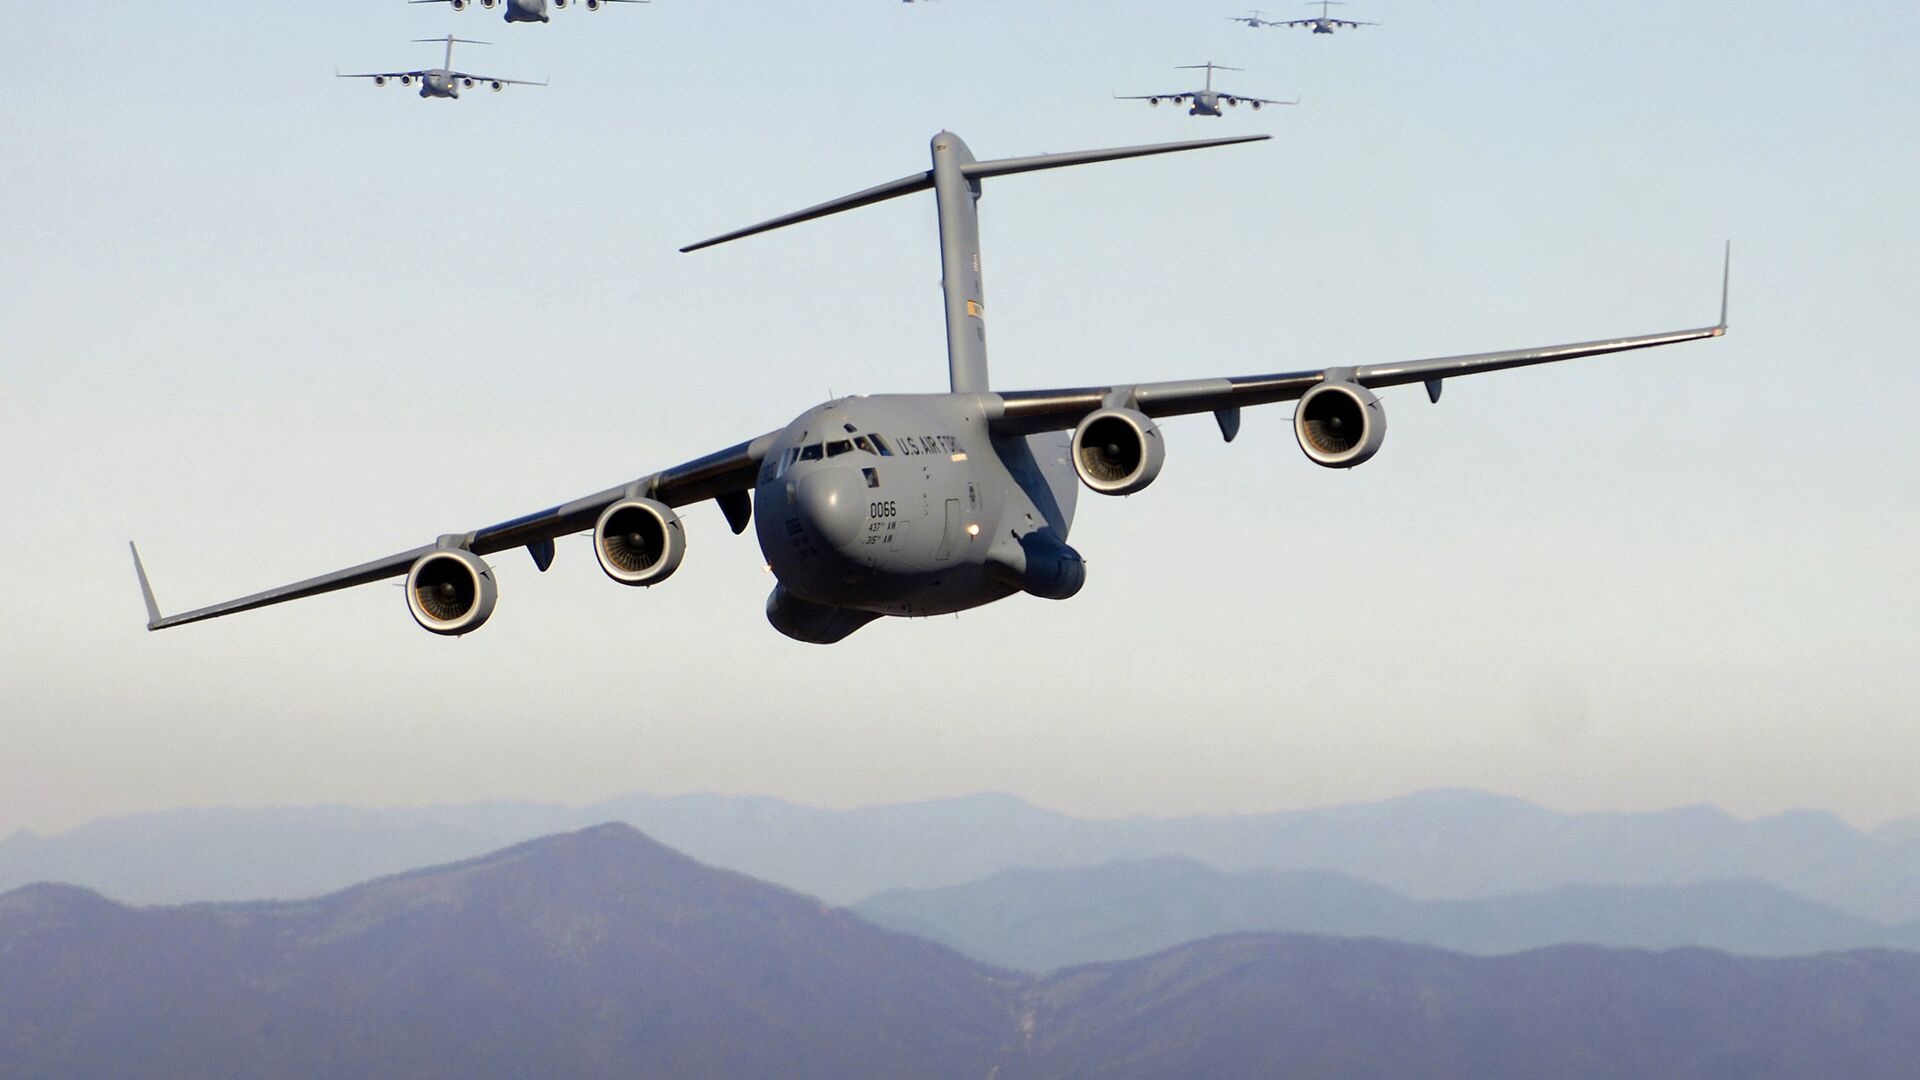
{"x": 443, "y": 81}
{"x": 916, "y": 504}
{"x": 526, "y": 10}
{"x": 1205, "y": 101}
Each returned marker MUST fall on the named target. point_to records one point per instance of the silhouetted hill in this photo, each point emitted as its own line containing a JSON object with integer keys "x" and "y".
{"x": 598, "y": 953}
{"x": 602, "y": 954}
{"x": 1039, "y": 920}
{"x": 1252, "y": 1007}
{"x": 1434, "y": 845}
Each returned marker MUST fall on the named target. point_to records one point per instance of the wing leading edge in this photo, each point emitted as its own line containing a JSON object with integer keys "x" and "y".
{"x": 725, "y": 475}
{"x": 1028, "y": 411}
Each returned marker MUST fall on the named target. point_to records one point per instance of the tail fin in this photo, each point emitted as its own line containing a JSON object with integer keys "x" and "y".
{"x": 955, "y": 178}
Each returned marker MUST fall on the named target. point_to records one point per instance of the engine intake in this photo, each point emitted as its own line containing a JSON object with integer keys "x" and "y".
{"x": 1117, "y": 451}
{"x": 639, "y": 541}
{"x": 451, "y": 592}
{"x": 1339, "y": 424}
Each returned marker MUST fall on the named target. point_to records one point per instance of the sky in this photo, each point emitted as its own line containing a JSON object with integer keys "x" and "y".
{"x": 270, "y": 323}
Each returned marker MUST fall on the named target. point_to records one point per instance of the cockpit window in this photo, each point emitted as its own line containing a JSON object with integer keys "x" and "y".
{"x": 861, "y": 442}
{"x": 880, "y": 444}
{"x": 810, "y": 453}
{"x": 838, "y": 447}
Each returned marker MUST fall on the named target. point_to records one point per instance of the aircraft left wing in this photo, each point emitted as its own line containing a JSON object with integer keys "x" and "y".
{"x": 725, "y": 476}
{"x": 1255, "y": 100}
{"x": 1029, "y": 411}
{"x": 1319, "y": 22}
{"x": 496, "y": 79}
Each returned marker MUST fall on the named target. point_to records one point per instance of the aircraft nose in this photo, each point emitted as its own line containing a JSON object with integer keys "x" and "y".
{"x": 833, "y": 502}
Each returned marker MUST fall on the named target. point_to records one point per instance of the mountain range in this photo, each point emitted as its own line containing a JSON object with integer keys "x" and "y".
{"x": 1039, "y": 920}
{"x": 601, "y": 953}
{"x": 1431, "y": 845}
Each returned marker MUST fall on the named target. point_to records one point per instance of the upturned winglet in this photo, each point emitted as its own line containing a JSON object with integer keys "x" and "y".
{"x": 146, "y": 588}
{"x": 1726, "y": 279}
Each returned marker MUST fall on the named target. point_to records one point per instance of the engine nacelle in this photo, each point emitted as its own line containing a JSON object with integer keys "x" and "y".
{"x": 1255, "y": 104}
{"x": 458, "y": 5}
{"x": 468, "y": 83}
{"x": 1339, "y": 424}
{"x": 497, "y": 85}
{"x": 593, "y": 5}
{"x": 451, "y": 591}
{"x": 1117, "y": 451}
{"x": 406, "y": 80}
{"x": 559, "y": 3}
{"x": 1154, "y": 102}
{"x": 488, "y": 4}
{"x": 379, "y": 80}
{"x": 639, "y": 541}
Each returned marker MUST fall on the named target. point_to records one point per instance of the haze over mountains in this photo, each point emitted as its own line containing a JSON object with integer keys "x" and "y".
{"x": 1433, "y": 845}
{"x": 1040, "y": 920}
{"x": 604, "y": 954}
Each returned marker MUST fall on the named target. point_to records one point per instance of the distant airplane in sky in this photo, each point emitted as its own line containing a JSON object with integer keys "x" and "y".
{"x": 1320, "y": 24}
{"x": 526, "y": 10}
{"x": 1206, "y": 101}
{"x": 443, "y": 81}
{"x": 917, "y": 504}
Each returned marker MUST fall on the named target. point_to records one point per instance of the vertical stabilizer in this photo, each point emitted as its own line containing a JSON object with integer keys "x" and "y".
{"x": 959, "y": 200}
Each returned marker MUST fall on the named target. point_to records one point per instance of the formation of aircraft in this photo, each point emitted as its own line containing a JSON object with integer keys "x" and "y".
{"x": 526, "y": 10}
{"x": 1205, "y": 101}
{"x": 909, "y": 505}
{"x": 1323, "y": 23}
{"x": 443, "y": 81}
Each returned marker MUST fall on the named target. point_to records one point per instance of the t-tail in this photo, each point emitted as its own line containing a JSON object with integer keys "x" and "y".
{"x": 1211, "y": 68}
{"x": 955, "y": 179}
{"x": 447, "y": 64}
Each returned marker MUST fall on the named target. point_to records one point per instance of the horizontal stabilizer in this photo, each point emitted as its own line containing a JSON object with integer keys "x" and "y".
{"x": 1009, "y": 166}
{"x": 972, "y": 170}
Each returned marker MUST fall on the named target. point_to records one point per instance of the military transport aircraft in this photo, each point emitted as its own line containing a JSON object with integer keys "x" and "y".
{"x": 1322, "y": 23}
{"x": 1252, "y": 18}
{"x": 915, "y": 504}
{"x": 526, "y": 10}
{"x": 441, "y": 82}
{"x": 1206, "y": 101}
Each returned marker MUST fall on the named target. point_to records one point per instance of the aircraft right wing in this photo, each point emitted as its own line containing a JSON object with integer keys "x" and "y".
{"x": 381, "y": 75}
{"x": 725, "y": 476}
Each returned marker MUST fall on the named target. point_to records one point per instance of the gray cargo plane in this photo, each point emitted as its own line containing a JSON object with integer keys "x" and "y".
{"x": 441, "y": 82}
{"x": 915, "y": 504}
{"x": 1206, "y": 101}
{"x": 1320, "y": 24}
{"x": 526, "y": 10}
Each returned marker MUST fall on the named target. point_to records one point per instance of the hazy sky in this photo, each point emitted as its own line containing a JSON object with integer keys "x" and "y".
{"x": 270, "y": 323}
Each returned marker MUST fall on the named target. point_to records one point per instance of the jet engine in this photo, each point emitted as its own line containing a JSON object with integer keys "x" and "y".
{"x": 451, "y": 591}
{"x": 639, "y": 541}
{"x": 593, "y": 5}
{"x": 488, "y": 4}
{"x": 1339, "y": 424}
{"x": 1233, "y": 103}
{"x": 379, "y": 80}
{"x": 1117, "y": 451}
{"x": 468, "y": 83}
{"x": 1255, "y": 104}
{"x": 496, "y": 84}
{"x": 458, "y": 5}
{"x": 406, "y": 80}
{"x": 1154, "y": 101}
{"x": 559, "y": 3}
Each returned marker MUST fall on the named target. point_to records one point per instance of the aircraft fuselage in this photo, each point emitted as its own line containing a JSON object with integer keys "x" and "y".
{"x": 1205, "y": 103}
{"x": 527, "y": 11}
{"x": 439, "y": 83}
{"x": 908, "y": 505}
